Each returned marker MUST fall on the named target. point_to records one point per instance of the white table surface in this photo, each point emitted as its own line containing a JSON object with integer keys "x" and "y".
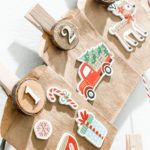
{"x": 19, "y": 44}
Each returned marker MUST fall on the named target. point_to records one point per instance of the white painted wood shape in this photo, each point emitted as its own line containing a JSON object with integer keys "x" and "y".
{"x": 32, "y": 94}
{"x": 71, "y": 36}
{"x": 7, "y": 79}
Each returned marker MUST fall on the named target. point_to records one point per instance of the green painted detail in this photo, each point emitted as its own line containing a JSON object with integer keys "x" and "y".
{"x": 84, "y": 127}
{"x": 95, "y": 55}
{"x": 90, "y": 119}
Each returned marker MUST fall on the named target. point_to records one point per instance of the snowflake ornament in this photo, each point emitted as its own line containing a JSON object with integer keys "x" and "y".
{"x": 43, "y": 129}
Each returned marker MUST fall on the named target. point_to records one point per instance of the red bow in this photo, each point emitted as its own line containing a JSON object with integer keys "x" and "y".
{"x": 129, "y": 18}
{"x": 120, "y": 9}
{"x": 84, "y": 116}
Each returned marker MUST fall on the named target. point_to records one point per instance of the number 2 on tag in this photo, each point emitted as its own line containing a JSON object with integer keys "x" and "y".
{"x": 67, "y": 31}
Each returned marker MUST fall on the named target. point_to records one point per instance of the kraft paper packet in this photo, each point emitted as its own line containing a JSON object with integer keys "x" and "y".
{"x": 112, "y": 93}
{"x": 102, "y": 20}
{"x": 17, "y": 128}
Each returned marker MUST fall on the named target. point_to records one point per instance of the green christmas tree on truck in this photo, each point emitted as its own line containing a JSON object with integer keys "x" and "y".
{"x": 96, "y": 63}
{"x": 92, "y": 56}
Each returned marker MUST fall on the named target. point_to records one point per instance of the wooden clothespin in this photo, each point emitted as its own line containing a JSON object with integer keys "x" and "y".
{"x": 40, "y": 18}
{"x": 133, "y": 142}
{"x": 7, "y": 82}
{"x": 22, "y": 92}
{"x": 64, "y": 34}
{"x": 7, "y": 79}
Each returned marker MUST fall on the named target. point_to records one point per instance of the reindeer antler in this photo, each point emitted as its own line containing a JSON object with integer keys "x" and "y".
{"x": 114, "y": 6}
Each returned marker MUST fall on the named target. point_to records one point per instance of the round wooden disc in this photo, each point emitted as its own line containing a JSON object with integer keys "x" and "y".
{"x": 24, "y": 100}
{"x": 65, "y": 35}
{"x": 106, "y": 2}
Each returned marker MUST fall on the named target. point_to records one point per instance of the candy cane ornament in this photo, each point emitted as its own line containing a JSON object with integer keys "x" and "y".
{"x": 64, "y": 97}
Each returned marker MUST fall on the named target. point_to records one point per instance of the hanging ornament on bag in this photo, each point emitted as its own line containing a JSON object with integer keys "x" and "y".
{"x": 64, "y": 97}
{"x": 96, "y": 63}
{"x": 67, "y": 142}
{"x": 90, "y": 128}
{"x": 127, "y": 26}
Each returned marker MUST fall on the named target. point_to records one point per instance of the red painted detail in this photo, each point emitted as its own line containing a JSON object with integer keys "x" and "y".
{"x": 93, "y": 77}
{"x": 72, "y": 143}
{"x": 121, "y": 9}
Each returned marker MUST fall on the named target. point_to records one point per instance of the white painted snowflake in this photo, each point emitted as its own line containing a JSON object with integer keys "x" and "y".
{"x": 43, "y": 129}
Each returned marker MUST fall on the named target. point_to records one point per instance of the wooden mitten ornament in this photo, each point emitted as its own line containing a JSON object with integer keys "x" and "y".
{"x": 132, "y": 37}
{"x": 127, "y": 26}
{"x": 53, "y": 121}
{"x": 67, "y": 142}
{"x": 91, "y": 75}
{"x": 64, "y": 34}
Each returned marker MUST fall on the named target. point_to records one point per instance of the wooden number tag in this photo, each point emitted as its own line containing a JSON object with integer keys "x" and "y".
{"x": 65, "y": 35}
{"x": 29, "y": 96}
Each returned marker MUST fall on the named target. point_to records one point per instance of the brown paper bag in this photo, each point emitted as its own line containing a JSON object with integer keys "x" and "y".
{"x": 102, "y": 20}
{"x": 113, "y": 92}
{"x": 17, "y": 128}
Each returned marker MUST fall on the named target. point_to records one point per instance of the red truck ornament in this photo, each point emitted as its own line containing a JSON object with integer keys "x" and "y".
{"x": 96, "y": 63}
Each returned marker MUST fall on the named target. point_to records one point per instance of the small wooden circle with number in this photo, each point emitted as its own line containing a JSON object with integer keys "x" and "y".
{"x": 29, "y": 96}
{"x": 65, "y": 35}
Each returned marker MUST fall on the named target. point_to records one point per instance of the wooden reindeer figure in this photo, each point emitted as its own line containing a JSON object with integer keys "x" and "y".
{"x": 127, "y": 26}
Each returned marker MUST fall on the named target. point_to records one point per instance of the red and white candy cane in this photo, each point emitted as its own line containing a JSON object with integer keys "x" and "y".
{"x": 146, "y": 86}
{"x": 51, "y": 92}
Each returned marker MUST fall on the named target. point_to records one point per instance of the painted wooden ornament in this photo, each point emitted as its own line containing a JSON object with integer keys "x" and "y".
{"x": 127, "y": 26}
{"x": 43, "y": 129}
{"x": 96, "y": 63}
{"x": 64, "y": 97}
{"x": 29, "y": 96}
{"x": 90, "y": 128}
{"x": 65, "y": 35}
{"x": 67, "y": 142}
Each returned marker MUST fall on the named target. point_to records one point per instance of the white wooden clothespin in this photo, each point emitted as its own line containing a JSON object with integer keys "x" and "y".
{"x": 133, "y": 142}
{"x": 7, "y": 79}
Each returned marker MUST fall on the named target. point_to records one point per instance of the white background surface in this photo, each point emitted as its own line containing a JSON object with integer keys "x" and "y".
{"x": 19, "y": 44}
